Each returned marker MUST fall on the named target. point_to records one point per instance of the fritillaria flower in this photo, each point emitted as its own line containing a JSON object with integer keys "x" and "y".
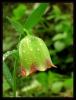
{"x": 34, "y": 55}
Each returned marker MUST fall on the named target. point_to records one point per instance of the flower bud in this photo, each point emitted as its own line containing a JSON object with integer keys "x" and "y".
{"x": 34, "y": 55}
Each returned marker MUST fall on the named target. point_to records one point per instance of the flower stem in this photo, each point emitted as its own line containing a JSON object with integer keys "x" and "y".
{"x": 27, "y": 32}
{"x": 14, "y": 77}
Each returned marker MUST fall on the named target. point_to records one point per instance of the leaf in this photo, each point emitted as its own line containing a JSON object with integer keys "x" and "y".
{"x": 56, "y": 87}
{"x": 35, "y": 16}
{"x": 8, "y": 45}
{"x": 6, "y": 70}
{"x": 56, "y": 11}
{"x": 68, "y": 83}
{"x": 50, "y": 17}
{"x": 18, "y": 27}
{"x": 42, "y": 79}
{"x": 8, "y": 53}
{"x": 59, "y": 46}
{"x": 53, "y": 77}
{"x": 33, "y": 85}
{"x": 6, "y": 86}
{"x": 19, "y": 12}
{"x": 59, "y": 36}
{"x": 7, "y": 74}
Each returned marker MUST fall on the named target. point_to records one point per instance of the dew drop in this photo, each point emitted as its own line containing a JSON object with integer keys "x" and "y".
{"x": 41, "y": 44}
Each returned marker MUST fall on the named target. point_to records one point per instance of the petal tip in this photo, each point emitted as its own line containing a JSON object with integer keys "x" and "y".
{"x": 50, "y": 64}
{"x": 54, "y": 66}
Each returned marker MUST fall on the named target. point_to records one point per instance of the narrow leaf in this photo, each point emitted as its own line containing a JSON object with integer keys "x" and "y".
{"x": 59, "y": 36}
{"x": 35, "y": 16}
{"x": 7, "y": 74}
{"x": 6, "y": 86}
{"x": 8, "y": 53}
{"x": 18, "y": 27}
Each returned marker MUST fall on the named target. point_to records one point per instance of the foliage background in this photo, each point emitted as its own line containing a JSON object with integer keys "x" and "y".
{"x": 56, "y": 29}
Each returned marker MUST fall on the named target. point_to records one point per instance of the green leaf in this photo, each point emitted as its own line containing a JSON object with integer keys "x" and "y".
{"x": 56, "y": 87}
{"x": 56, "y": 11}
{"x": 35, "y": 16}
{"x": 59, "y": 46}
{"x": 7, "y": 74}
{"x": 59, "y": 36}
{"x": 68, "y": 83}
{"x": 33, "y": 85}
{"x": 6, "y": 86}
{"x": 8, "y": 53}
{"x": 42, "y": 79}
{"x": 6, "y": 71}
{"x": 18, "y": 27}
{"x": 50, "y": 17}
{"x": 19, "y": 12}
{"x": 53, "y": 77}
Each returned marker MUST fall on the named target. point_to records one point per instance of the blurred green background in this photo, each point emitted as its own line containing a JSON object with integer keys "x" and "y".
{"x": 56, "y": 29}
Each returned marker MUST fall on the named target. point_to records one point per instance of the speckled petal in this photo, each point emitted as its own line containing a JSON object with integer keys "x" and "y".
{"x": 34, "y": 54}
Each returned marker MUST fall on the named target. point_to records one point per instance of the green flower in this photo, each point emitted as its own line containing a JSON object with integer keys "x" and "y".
{"x": 34, "y": 55}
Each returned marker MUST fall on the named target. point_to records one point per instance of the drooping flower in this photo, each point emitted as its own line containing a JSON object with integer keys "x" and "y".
{"x": 34, "y": 55}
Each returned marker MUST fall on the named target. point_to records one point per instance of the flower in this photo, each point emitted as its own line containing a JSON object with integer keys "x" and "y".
{"x": 34, "y": 55}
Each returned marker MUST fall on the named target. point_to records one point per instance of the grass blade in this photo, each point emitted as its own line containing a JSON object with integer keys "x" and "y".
{"x": 7, "y": 74}
{"x": 8, "y": 53}
{"x": 14, "y": 78}
{"x": 17, "y": 26}
{"x": 35, "y": 16}
{"x": 6, "y": 86}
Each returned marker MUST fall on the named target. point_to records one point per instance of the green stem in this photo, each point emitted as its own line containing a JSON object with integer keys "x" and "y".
{"x": 28, "y": 32}
{"x": 14, "y": 78}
